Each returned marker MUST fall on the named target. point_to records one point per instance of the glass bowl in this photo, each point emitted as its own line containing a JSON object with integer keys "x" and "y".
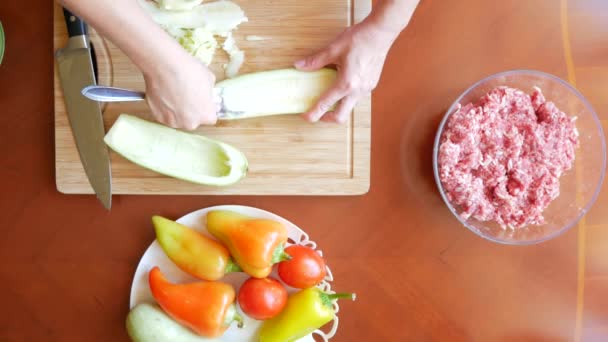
{"x": 579, "y": 186}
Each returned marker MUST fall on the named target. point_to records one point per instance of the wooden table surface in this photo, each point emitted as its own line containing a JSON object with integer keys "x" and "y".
{"x": 66, "y": 264}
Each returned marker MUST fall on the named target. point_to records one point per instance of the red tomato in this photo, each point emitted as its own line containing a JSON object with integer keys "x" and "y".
{"x": 305, "y": 269}
{"x": 262, "y": 298}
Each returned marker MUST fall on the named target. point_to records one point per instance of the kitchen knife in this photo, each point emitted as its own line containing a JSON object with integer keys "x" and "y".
{"x": 76, "y": 71}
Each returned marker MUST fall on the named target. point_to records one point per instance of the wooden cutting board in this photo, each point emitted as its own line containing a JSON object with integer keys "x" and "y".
{"x": 287, "y": 156}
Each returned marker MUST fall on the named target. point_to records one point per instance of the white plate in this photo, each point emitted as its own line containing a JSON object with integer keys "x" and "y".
{"x": 155, "y": 256}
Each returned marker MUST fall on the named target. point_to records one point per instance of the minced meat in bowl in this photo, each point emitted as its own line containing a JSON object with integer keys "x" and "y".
{"x": 519, "y": 157}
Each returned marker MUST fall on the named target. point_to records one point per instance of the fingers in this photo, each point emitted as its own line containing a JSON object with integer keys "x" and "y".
{"x": 208, "y": 113}
{"x": 186, "y": 121}
{"x": 316, "y": 61}
{"x": 342, "y": 112}
{"x": 332, "y": 95}
{"x": 192, "y": 121}
{"x": 183, "y": 99}
{"x": 188, "y": 117}
{"x": 162, "y": 116}
{"x": 325, "y": 103}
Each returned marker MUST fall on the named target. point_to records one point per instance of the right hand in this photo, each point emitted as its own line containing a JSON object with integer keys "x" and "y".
{"x": 359, "y": 54}
{"x": 180, "y": 93}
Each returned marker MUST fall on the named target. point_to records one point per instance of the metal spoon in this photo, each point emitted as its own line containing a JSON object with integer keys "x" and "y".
{"x": 113, "y": 94}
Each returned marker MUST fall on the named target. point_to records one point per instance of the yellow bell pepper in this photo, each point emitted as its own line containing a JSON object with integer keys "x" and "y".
{"x": 193, "y": 252}
{"x": 305, "y": 311}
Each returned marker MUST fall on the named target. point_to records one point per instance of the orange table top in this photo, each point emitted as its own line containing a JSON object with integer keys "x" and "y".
{"x": 67, "y": 264}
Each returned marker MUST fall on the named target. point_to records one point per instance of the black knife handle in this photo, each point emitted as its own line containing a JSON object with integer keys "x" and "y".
{"x": 76, "y": 27}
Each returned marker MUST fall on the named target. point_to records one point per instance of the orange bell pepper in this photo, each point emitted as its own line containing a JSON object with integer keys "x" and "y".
{"x": 193, "y": 252}
{"x": 256, "y": 244}
{"x": 208, "y": 308}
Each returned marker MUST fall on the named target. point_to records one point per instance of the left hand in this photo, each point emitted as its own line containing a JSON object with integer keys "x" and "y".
{"x": 359, "y": 54}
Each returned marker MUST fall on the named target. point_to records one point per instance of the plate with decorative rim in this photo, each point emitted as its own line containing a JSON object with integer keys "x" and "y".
{"x": 155, "y": 256}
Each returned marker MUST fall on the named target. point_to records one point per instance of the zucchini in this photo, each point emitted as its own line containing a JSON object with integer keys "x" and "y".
{"x": 149, "y": 323}
{"x": 283, "y": 91}
{"x": 187, "y": 156}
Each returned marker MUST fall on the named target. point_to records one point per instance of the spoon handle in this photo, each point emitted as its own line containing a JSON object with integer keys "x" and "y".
{"x": 111, "y": 94}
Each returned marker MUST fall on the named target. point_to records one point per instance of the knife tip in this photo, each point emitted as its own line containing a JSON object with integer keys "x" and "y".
{"x": 106, "y": 202}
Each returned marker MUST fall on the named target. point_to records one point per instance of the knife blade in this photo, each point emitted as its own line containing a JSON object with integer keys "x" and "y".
{"x": 76, "y": 71}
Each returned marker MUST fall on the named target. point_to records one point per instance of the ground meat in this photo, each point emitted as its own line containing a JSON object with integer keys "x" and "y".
{"x": 500, "y": 159}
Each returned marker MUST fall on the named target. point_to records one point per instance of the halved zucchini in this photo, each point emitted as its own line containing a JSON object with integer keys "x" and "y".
{"x": 187, "y": 156}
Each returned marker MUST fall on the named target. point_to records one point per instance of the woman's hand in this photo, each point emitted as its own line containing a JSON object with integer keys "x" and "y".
{"x": 359, "y": 54}
{"x": 180, "y": 94}
{"x": 178, "y": 87}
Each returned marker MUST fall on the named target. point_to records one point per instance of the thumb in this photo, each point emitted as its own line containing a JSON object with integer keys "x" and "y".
{"x": 316, "y": 61}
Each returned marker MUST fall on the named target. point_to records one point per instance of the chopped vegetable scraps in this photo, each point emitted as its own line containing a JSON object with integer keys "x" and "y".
{"x": 195, "y": 25}
{"x": 199, "y": 42}
{"x": 253, "y": 38}
{"x": 237, "y": 56}
{"x": 178, "y": 5}
{"x": 218, "y": 17}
